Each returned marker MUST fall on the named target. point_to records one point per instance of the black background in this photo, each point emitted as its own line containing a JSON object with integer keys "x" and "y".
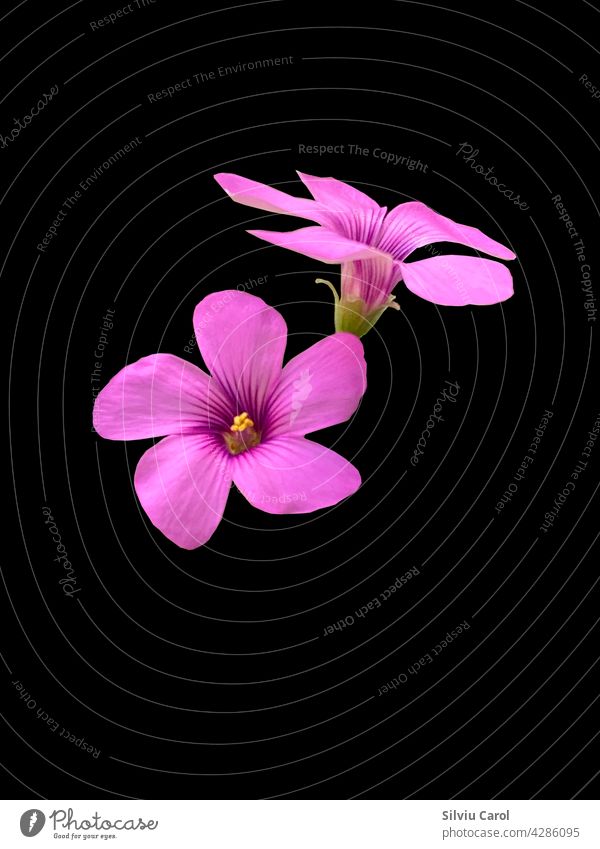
{"x": 207, "y": 674}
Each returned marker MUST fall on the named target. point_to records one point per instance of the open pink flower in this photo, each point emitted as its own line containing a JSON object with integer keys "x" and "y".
{"x": 245, "y": 423}
{"x": 372, "y": 246}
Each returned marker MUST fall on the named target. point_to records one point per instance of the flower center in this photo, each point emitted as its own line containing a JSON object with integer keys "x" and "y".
{"x": 242, "y": 434}
{"x": 241, "y": 422}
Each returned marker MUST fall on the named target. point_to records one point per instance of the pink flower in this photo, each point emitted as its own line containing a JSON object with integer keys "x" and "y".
{"x": 245, "y": 423}
{"x": 372, "y": 246}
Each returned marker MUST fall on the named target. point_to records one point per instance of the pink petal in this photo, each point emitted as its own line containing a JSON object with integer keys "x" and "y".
{"x": 334, "y": 194}
{"x": 242, "y": 341}
{"x": 320, "y": 387}
{"x": 413, "y": 225}
{"x": 156, "y": 396}
{"x": 458, "y": 280}
{"x": 293, "y": 475}
{"x": 260, "y": 196}
{"x": 182, "y": 483}
{"x": 318, "y": 243}
{"x": 370, "y": 280}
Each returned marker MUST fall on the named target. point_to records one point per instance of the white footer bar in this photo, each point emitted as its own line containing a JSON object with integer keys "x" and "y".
{"x": 302, "y": 824}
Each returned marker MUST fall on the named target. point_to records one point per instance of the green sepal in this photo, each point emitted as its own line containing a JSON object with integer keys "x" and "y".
{"x": 351, "y": 315}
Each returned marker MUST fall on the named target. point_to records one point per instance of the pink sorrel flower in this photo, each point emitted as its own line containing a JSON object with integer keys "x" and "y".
{"x": 372, "y": 246}
{"x": 245, "y": 423}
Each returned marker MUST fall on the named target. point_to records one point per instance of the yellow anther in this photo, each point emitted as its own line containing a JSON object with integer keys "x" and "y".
{"x": 241, "y": 422}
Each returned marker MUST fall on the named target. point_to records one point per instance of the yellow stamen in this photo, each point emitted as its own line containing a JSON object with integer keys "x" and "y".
{"x": 241, "y": 422}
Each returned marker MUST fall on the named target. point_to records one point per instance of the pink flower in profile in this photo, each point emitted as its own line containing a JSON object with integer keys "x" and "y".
{"x": 373, "y": 245}
{"x": 245, "y": 423}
